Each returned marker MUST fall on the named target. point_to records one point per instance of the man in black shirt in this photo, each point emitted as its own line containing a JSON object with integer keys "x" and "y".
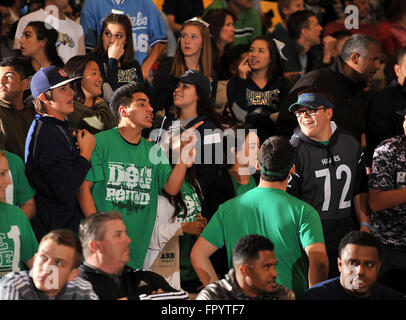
{"x": 106, "y": 250}
{"x": 359, "y": 263}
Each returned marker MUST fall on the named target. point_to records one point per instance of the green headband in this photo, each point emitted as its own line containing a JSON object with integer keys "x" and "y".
{"x": 281, "y": 173}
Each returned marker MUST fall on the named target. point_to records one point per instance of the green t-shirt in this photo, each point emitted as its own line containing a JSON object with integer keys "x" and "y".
{"x": 17, "y": 240}
{"x": 21, "y": 188}
{"x": 127, "y": 178}
{"x": 187, "y": 241}
{"x": 239, "y": 188}
{"x": 288, "y": 222}
{"x": 247, "y": 27}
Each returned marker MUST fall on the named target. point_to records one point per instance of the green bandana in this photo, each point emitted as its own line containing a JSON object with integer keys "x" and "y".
{"x": 281, "y": 173}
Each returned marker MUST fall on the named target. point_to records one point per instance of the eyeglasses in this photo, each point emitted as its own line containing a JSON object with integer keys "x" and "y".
{"x": 309, "y": 112}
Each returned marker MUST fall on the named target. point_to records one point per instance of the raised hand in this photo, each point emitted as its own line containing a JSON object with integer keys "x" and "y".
{"x": 187, "y": 143}
{"x": 244, "y": 68}
{"x": 116, "y": 50}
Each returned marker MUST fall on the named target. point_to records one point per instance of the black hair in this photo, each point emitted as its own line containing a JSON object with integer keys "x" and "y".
{"x": 276, "y": 155}
{"x": 400, "y": 54}
{"x": 360, "y": 238}
{"x": 340, "y": 34}
{"x": 17, "y": 63}
{"x": 247, "y": 248}
{"x": 205, "y": 107}
{"x": 275, "y": 68}
{"x": 75, "y": 68}
{"x": 46, "y": 31}
{"x": 298, "y": 21}
{"x": 123, "y": 20}
{"x": 217, "y": 19}
{"x": 177, "y": 200}
{"x": 232, "y": 138}
{"x": 124, "y": 95}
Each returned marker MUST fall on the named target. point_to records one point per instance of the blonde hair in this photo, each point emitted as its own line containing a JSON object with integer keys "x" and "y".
{"x": 205, "y": 61}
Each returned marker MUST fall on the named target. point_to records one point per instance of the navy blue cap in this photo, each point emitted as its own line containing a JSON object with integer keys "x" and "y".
{"x": 197, "y": 78}
{"x": 312, "y": 101}
{"x": 49, "y": 78}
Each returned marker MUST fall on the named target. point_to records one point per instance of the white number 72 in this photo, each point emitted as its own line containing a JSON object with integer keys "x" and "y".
{"x": 327, "y": 186}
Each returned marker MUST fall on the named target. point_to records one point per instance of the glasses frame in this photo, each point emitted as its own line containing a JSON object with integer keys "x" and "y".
{"x": 312, "y": 111}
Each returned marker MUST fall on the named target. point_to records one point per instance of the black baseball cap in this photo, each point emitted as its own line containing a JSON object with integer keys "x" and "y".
{"x": 197, "y": 78}
{"x": 49, "y": 78}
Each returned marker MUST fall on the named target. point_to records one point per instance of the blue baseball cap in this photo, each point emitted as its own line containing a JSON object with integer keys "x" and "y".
{"x": 312, "y": 101}
{"x": 49, "y": 78}
{"x": 197, "y": 78}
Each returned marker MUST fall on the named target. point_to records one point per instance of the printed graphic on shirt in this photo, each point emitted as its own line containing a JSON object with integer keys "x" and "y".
{"x": 127, "y": 76}
{"x": 141, "y": 40}
{"x": 64, "y": 39}
{"x": 167, "y": 258}
{"x": 10, "y": 251}
{"x": 193, "y": 208}
{"x": 259, "y": 98}
{"x": 129, "y": 186}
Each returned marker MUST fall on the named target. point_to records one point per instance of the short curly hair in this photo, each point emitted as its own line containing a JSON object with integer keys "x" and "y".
{"x": 247, "y": 248}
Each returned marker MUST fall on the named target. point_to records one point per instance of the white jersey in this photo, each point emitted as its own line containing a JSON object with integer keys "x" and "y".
{"x": 71, "y": 41}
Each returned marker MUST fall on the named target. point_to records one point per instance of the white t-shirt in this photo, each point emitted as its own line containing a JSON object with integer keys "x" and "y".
{"x": 165, "y": 240}
{"x": 71, "y": 41}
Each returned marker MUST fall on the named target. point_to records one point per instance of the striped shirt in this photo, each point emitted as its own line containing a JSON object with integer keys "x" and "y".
{"x": 20, "y": 286}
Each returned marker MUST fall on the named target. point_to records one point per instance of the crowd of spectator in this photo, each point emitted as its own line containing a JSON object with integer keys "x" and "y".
{"x": 209, "y": 150}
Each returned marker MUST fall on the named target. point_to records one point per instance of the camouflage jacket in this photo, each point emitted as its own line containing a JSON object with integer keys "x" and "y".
{"x": 389, "y": 173}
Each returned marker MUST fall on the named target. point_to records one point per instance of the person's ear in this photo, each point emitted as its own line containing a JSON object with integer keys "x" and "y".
{"x": 293, "y": 169}
{"x": 354, "y": 58}
{"x": 257, "y": 166}
{"x": 73, "y": 274}
{"x": 26, "y": 84}
{"x": 396, "y": 67}
{"x": 93, "y": 245}
{"x": 43, "y": 97}
{"x": 329, "y": 112}
{"x": 304, "y": 32}
{"x": 122, "y": 111}
{"x": 243, "y": 269}
{"x": 339, "y": 263}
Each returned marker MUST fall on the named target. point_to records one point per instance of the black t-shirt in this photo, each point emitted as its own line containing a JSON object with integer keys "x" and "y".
{"x": 183, "y": 9}
{"x": 332, "y": 290}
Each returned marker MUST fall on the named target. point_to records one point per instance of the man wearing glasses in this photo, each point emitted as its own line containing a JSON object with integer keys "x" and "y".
{"x": 330, "y": 170}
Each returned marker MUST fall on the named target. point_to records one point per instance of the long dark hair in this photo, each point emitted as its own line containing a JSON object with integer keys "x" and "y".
{"x": 124, "y": 21}
{"x": 75, "y": 68}
{"x": 45, "y": 31}
{"x": 275, "y": 70}
{"x": 177, "y": 201}
{"x": 217, "y": 19}
{"x": 205, "y": 108}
